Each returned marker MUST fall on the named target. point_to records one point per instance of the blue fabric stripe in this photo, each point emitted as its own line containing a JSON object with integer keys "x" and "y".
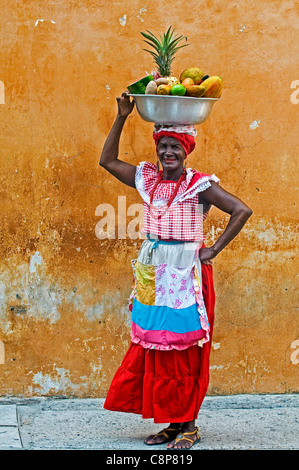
{"x": 157, "y": 242}
{"x": 155, "y": 317}
{"x": 165, "y": 242}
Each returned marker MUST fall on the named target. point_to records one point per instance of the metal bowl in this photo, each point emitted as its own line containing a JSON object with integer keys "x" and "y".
{"x": 168, "y": 109}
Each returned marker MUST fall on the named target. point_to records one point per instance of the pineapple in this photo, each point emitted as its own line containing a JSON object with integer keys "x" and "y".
{"x": 165, "y": 50}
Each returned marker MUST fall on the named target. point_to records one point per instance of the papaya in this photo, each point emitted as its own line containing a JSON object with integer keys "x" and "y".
{"x": 213, "y": 86}
{"x": 195, "y": 90}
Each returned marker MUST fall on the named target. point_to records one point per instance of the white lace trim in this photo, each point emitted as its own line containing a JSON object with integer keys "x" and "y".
{"x": 201, "y": 185}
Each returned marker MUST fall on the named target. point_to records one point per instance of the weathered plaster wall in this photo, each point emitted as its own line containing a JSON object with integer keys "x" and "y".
{"x": 64, "y": 323}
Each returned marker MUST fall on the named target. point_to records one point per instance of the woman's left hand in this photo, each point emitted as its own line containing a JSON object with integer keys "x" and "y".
{"x": 206, "y": 255}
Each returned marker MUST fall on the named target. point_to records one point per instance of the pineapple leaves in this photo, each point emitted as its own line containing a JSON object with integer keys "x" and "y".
{"x": 152, "y": 38}
{"x": 165, "y": 49}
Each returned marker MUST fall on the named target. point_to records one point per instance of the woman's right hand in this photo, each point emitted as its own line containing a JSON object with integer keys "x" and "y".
{"x": 125, "y": 105}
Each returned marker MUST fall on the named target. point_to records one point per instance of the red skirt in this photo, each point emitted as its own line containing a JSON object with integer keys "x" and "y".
{"x": 168, "y": 386}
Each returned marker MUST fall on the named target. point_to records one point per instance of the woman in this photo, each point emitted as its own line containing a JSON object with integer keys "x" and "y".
{"x": 165, "y": 372}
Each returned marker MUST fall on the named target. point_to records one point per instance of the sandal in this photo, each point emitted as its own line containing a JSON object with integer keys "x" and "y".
{"x": 168, "y": 433}
{"x": 182, "y": 436}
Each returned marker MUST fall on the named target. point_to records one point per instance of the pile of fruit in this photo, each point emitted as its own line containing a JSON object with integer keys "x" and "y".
{"x": 191, "y": 82}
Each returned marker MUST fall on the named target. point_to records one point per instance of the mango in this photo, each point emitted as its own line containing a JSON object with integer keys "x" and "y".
{"x": 195, "y": 90}
{"x": 187, "y": 82}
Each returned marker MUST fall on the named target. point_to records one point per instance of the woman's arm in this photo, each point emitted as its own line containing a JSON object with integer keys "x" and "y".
{"x": 239, "y": 214}
{"x": 123, "y": 171}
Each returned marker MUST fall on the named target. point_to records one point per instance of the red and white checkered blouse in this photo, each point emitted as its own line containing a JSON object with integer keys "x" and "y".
{"x": 183, "y": 220}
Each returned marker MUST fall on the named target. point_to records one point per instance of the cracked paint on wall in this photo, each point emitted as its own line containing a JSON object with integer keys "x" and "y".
{"x": 254, "y": 124}
{"x": 35, "y": 260}
{"x": 46, "y": 383}
{"x": 123, "y": 20}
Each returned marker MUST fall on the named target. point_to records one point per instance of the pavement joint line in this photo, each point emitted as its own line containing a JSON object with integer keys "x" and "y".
{"x": 9, "y": 428}
{"x": 19, "y": 430}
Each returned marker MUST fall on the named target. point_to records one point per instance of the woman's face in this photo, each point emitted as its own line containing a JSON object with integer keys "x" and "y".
{"x": 170, "y": 153}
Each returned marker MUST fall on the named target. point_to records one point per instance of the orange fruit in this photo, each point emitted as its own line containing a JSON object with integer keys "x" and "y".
{"x": 187, "y": 82}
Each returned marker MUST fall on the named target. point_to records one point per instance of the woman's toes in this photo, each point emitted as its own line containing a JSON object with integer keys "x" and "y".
{"x": 170, "y": 445}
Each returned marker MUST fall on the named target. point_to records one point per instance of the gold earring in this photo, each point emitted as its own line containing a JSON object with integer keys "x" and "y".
{"x": 158, "y": 166}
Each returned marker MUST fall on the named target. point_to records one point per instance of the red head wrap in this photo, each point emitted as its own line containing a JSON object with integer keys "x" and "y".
{"x": 183, "y": 134}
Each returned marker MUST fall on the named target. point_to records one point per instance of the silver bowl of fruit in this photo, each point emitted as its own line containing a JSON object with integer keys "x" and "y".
{"x": 168, "y": 109}
{"x": 165, "y": 99}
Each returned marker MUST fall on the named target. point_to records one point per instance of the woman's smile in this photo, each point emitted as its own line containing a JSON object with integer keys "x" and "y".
{"x": 169, "y": 158}
{"x": 171, "y": 155}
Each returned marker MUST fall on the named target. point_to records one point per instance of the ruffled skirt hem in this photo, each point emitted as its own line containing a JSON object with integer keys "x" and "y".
{"x": 164, "y": 388}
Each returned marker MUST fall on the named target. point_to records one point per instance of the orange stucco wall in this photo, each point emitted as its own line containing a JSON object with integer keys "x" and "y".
{"x": 64, "y": 323}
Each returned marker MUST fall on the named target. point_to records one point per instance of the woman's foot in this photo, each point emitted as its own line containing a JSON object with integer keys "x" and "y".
{"x": 185, "y": 439}
{"x": 166, "y": 435}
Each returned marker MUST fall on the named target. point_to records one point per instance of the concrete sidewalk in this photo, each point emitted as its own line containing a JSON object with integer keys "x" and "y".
{"x": 240, "y": 422}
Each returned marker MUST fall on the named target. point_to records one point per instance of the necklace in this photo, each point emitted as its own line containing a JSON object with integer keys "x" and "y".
{"x": 173, "y": 195}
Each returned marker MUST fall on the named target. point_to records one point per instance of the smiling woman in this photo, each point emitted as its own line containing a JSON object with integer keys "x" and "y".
{"x": 165, "y": 372}
{"x": 172, "y": 156}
